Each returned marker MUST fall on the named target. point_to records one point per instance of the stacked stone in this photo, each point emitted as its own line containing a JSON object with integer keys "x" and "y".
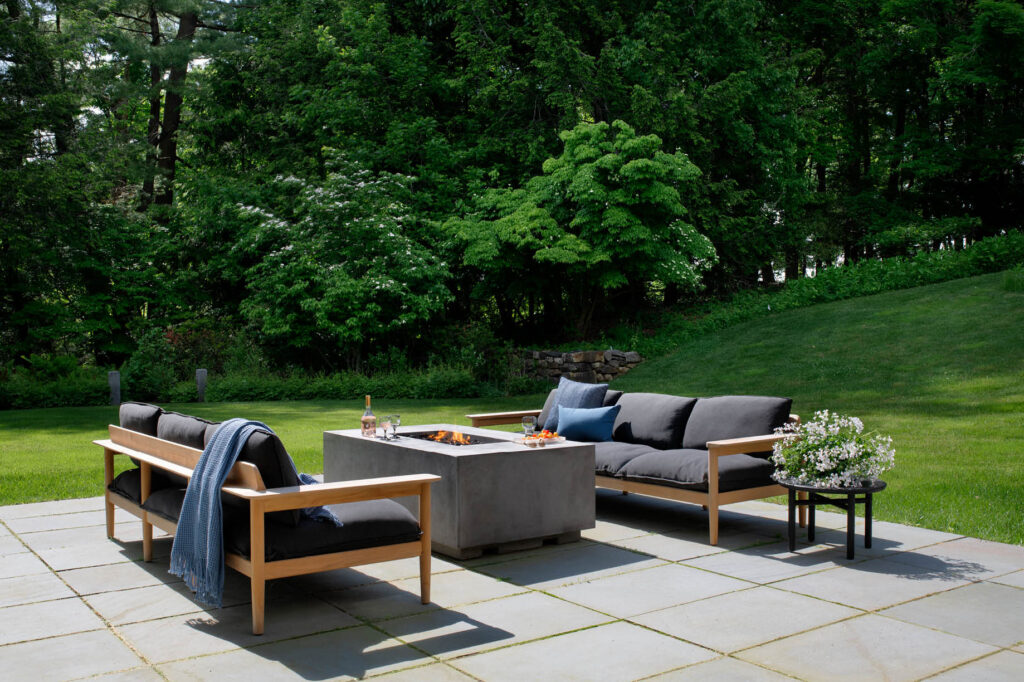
{"x": 588, "y": 366}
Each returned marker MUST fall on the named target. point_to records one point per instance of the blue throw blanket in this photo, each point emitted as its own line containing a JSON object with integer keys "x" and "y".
{"x": 197, "y": 555}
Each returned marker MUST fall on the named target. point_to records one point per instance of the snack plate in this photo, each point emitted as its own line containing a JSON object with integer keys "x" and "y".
{"x": 535, "y": 442}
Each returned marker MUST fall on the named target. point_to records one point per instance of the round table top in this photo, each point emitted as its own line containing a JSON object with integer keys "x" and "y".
{"x": 868, "y": 486}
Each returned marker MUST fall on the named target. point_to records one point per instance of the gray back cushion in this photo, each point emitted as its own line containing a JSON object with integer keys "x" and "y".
{"x": 277, "y": 469}
{"x": 183, "y": 429}
{"x": 652, "y": 419}
{"x": 611, "y": 397}
{"x": 141, "y": 417}
{"x": 734, "y": 416}
{"x": 546, "y": 410}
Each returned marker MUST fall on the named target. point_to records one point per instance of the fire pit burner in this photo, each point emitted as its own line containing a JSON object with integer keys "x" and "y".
{"x": 451, "y": 438}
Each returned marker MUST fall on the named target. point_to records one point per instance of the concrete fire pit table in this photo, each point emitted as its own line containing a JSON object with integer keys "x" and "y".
{"x": 495, "y": 494}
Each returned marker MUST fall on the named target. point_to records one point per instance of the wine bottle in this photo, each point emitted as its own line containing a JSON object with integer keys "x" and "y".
{"x": 368, "y": 423}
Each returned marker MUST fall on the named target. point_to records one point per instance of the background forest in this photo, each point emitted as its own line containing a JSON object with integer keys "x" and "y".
{"x": 330, "y": 186}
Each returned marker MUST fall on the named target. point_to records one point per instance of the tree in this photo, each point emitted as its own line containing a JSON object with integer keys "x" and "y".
{"x": 606, "y": 217}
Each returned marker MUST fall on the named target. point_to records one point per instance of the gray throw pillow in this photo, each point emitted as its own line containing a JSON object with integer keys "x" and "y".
{"x": 653, "y": 419}
{"x": 575, "y": 394}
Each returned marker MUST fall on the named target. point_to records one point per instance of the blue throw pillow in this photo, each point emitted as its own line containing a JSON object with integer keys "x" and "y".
{"x": 575, "y": 394}
{"x": 592, "y": 425}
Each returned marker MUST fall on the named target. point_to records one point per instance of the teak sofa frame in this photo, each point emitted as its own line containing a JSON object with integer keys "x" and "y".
{"x": 711, "y": 499}
{"x": 244, "y": 481}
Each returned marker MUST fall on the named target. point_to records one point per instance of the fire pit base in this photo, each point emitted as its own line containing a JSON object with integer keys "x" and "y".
{"x": 493, "y": 496}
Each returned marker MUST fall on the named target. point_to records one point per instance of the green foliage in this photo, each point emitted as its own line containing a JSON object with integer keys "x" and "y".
{"x": 834, "y": 284}
{"x": 1013, "y": 280}
{"x": 606, "y": 215}
{"x": 343, "y": 271}
{"x": 53, "y": 381}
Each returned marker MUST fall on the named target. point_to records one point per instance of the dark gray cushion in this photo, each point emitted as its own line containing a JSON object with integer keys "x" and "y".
{"x": 574, "y": 394}
{"x": 372, "y": 523}
{"x": 611, "y": 397}
{"x": 611, "y": 457}
{"x": 141, "y": 417}
{"x": 183, "y": 429}
{"x": 734, "y": 416}
{"x": 129, "y": 483}
{"x": 652, "y": 419}
{"x": 546, "y": 410}
{"x": 688, "y": 468}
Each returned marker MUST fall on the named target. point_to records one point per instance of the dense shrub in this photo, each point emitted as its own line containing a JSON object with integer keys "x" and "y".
{"x": 53, "y": 381}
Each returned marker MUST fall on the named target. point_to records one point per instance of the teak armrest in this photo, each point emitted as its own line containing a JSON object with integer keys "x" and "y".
{"x": 298, "y": 497}
{"x": 493, "y": 418}
{"x": 740, "y": 446}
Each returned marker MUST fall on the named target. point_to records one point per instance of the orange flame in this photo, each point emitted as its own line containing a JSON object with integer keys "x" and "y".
{"x": 453, "y": 437}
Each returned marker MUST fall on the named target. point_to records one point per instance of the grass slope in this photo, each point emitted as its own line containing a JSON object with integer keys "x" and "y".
{"x": 939, "y": 368}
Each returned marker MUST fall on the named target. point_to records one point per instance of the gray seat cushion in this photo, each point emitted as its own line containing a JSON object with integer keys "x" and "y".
{"x": 129, "y": 484}
{"x": 734, "y": 416}
{"x": 372, "y": 523}
{"x": 610, "y": 457}
{"x": 688, "y": 468}
{"x": 652, "y": 419}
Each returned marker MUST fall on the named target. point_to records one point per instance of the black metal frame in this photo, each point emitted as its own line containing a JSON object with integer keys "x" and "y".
{"x": 848, "y": 501}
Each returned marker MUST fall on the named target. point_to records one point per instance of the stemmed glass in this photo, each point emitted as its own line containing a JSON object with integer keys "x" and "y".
{"x": 529, "y": 426}
{"x": 396, "y": 421}
{"x": 385, "y": 424}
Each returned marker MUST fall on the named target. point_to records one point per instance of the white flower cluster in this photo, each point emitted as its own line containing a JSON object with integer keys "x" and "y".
{"x": 831, "y": 450}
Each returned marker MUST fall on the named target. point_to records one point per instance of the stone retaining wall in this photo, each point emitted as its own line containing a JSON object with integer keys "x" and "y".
{"x": 589, "y": 366}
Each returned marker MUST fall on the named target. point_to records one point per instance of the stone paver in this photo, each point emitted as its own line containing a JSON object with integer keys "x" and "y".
{"x": 67, "y": 658}
{"x": 739, "y": 620}
{"x": 874, "y": 584}
{"x": 578, "y": 564}
{"x": 1004, "y": 666}
{"x": 618, "y": 651}
{"x": 487, "y": 625}
{"x": 402, "y": 598}
{"x": 45, "y": 619}
{"x": 723, "y": 669}
{"x": 32, "y": 588}
{"x": 769, "y": 563}
{"x": 197, "y": 634}
{"x": 1014, "y": 579}
{"x": 636, "y": 592}
{"x": 985, "y": 612}
{"x": 868, "y": 647}
{"x": 643, "y": 595}
{"x": 351, "y": 653}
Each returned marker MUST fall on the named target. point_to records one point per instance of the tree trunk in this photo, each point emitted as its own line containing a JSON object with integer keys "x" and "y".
{"x": 173, "y": 99}
{"x": 153, "y": 133}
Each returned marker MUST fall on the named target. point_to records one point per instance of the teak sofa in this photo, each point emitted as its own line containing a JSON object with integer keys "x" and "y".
{"x": 708, "y": 451}
{"x": 264, "y": 535}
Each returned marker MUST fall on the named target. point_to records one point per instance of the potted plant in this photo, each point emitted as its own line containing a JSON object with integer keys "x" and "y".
{"x": 831, "y": 451}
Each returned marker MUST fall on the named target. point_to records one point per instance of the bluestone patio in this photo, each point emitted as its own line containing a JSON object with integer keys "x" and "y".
{"x": 642, "y": 596}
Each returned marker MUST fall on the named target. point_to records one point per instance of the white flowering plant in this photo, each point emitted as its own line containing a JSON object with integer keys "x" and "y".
{"x": 832, "y": 451}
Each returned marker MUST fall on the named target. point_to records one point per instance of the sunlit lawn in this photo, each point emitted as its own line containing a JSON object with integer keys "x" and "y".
{"x": 939, "y": 368}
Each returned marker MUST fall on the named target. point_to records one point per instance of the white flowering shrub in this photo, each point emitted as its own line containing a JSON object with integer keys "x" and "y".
{"x": 831, "y": 450}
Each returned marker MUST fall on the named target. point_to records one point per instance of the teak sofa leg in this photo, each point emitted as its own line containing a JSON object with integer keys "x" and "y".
{"x": 713, "y": 523}
{"x": 258, "y": 596}
{"x": 425, "y": 544}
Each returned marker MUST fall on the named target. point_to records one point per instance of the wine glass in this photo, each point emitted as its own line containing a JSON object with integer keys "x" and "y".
{"x": 396, "y": 421}
{"x": 529, "y": 426}
{"x": 385, "y": 424}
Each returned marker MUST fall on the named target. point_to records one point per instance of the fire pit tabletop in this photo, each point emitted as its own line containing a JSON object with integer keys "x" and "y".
{"x": 497, "y": 494}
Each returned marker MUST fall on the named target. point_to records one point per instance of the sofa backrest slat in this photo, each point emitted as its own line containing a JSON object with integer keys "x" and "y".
{"x": 242, "y": 474}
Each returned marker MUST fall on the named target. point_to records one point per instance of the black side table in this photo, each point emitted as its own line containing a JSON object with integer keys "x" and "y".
{"x": 848, "y": 500}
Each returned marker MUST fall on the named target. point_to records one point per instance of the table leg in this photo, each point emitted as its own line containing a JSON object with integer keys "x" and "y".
{"x": 810, "y": 517}
{"x": 851, "y": 523}
{"x": 867, "y": 520}
{"x": 792, "y": 520}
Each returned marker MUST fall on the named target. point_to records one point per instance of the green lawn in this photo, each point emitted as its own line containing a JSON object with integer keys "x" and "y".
{"x": 939, "y": 368}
